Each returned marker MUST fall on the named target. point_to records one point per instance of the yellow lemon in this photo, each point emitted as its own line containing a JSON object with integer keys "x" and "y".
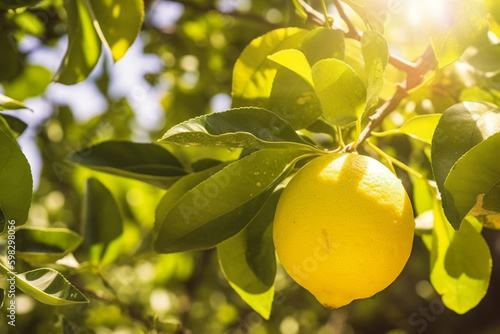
{"x": 344, "y": 228}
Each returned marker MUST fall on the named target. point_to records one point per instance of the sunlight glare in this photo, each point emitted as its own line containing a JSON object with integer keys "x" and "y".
{"x": 426, "y": 12}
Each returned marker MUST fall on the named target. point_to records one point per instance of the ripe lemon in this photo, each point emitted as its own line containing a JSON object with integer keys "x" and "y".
{"x": 344, "y": 228}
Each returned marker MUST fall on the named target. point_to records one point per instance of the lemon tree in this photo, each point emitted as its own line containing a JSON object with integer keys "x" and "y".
{"x": 355, "y": 160}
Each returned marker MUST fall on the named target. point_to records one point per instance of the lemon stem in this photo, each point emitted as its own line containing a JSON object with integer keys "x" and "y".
{"x": 387, "y": 157}
{"x": 358, "y": 133}
{"x": 339, "y": 133}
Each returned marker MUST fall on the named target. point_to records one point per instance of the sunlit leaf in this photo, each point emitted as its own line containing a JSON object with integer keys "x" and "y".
{"x": 473, "y": 183}
{"x": 45, "y": 245}
{"x": 295, "y": 61}
{"x": 460, "y": 263}
{"x": 375, "y": 51}
{"x": 419, "y": 127}
{"x": 222, "y": 205}
{"x": 449, "y": 42}
{"x": 84, "y": 46}
{"x": 253, "y": 73}
{"x": 293, "y": 98}
{"x": 10, "y": 104}
{"x": 237, "y": 128}
{"x": 478, "y": 121}
{"x": 15, "y": 182}
{"x": 248, "y": 262}
{"x": 146, "y": 162}
{"x": 117, "y": 23}
{"x": 32, "y": 81}
{"x": 102, "y": 222}
{"x": 341, "y": 92}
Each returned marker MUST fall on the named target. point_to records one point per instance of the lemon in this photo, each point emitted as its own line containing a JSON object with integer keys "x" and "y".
{"x": 344, "y": 228}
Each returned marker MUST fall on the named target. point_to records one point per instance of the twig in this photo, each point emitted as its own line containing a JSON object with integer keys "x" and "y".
{"x": 352, "y": 32}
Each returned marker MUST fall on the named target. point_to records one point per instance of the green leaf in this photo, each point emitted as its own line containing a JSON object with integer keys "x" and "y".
{"x": 10, "y": 60}
{"x": 253, "y": 73}
{"x": 237, "y": 128}
{"x": 117, "y": 23}
{"x": 450, "y": 42}
{"x": 420, "y": 127}
{"x": 222, "y": 205}
{"x": 341, "y": 92}
{"x": 16, "y": 183}
{"x": 47, "y": 286}
{"x": 32, "y": 81}
{"x": 10, "y": 104}
{"x": 13, "y": 125}
{"x": 18, "y": 3}
{"x": 45, "y": 245}
{"x": 293, "y": 98}
{"x": 84, "y": 46}
{"x": 248, "y": 261}
{"x": 295, "y": 61}
{"x": 102, "y": 222}
{"x": 475, "y": 175}
{"x": 2, "y": 297}
{"x": 460, "y": 263}
{"x": 150, "y": 163}
{"x": 478, "y": 121}
{"x": 375, "y": 51}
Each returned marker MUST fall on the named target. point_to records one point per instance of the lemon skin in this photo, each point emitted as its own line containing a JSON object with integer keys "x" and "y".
{"x": 343, "y": 228}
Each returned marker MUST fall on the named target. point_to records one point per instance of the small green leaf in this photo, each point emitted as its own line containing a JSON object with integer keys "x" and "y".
{"x": 222, "y": 205}
{"x": 16, "y": 183}
{"x": 477, "y": 120}
{"x": 323, "y": 43}
{"x": 84, "y": 46}
{"x": 150, "y": 163}
{"x": 237, "y": 128}
{"x": 375, "y": 51}
{"x": 253, "y": 73}
{"x": 10, "y": 60}
{"x": 102, "y": 222}
{"x": 295, "y": 61}
{"x": 13, "y": 125}
{"x": 460, "y": 263}
{"x": 450, "y": 42}
{"x": 32, "y": 81}
{"x": 341, "y": 92}
{"x": 45, "y": 245}
{"x": 473, "y": 176}
{"x": 117, "y": 23}
{"x": 420, "y": 127}
{"x": 10, "y": 104}
{"x": 248, "y": 261}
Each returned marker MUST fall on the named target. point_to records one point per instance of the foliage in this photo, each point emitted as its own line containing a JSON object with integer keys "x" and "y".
{"x": 122, "y": 223}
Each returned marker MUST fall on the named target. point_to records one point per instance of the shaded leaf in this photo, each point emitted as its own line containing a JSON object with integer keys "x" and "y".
{"x": 45, "y": 245}
{"x": 10, "y": 60}
{"x": 222, "y": 205}
{"x": 477, "y": 120}
{"x": 236, "y": 128}
{"x": 84, "y": 46}
{"x": 473, "y": 183}
{"x": 460, "y": 263}
{"x": 18, "y": 3}
{"x": 450, "y": 42}
{"x": 341, "y": 92}
{"x": 15, "y": 182}
{"x": 375, "y": 51}
{"x": 150, "y": 163}
{"x": 117, "y": 23}
{"x": 248, "y": 261}
{"x": 102, "y": 222}
{"x": 12, "y": 124}
{"x": 253, "y": 73}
